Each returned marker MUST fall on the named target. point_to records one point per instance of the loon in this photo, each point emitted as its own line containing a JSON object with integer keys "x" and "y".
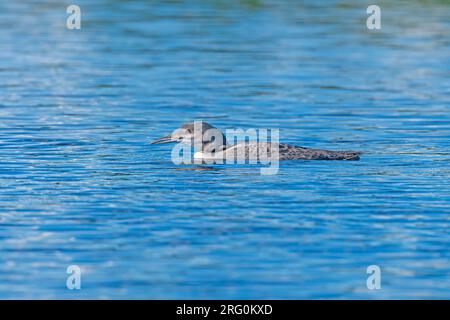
{"x": 211, "y": 144}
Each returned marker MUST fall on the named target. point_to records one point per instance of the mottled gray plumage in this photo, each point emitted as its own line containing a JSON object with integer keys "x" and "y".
{"x": 213, "y": 146}
{"x": 288, "y": 152}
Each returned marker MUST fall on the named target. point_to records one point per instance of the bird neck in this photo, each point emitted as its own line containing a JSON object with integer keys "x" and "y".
{"x": 213, "y": 146}
{"x": 215, "y": 143}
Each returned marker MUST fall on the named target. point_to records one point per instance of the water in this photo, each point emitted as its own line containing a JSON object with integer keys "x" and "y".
{"x": 79, "y": 183}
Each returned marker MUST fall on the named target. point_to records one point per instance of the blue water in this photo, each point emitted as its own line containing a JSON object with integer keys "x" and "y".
{"x": 79, "y": 183}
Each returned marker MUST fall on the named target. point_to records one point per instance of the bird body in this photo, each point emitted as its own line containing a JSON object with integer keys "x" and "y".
{"x": 213, "y": 146}
{"x": 258, "y": 150}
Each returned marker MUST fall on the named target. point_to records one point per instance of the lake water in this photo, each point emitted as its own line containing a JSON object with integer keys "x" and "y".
{"x": 80, "y": 185}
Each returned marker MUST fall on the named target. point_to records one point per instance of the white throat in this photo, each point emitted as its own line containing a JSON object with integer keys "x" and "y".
{"x": 204, "y": 155}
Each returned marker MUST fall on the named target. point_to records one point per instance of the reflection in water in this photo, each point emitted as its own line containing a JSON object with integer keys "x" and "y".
{"x": 80, "y": 185}
{"x": 196, "y": 168}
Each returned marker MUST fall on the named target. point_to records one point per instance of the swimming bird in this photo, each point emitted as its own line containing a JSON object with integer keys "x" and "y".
{"x": 210, "y": 143}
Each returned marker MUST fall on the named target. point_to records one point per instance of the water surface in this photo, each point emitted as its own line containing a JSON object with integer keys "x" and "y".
{"x": 79, "y": 183}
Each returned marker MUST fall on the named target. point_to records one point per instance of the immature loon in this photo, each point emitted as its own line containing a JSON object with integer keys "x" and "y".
{"x": 211, "y": 144}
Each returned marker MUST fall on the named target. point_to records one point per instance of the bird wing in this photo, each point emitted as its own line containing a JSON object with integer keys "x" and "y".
{"x": 288, "y": 152}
